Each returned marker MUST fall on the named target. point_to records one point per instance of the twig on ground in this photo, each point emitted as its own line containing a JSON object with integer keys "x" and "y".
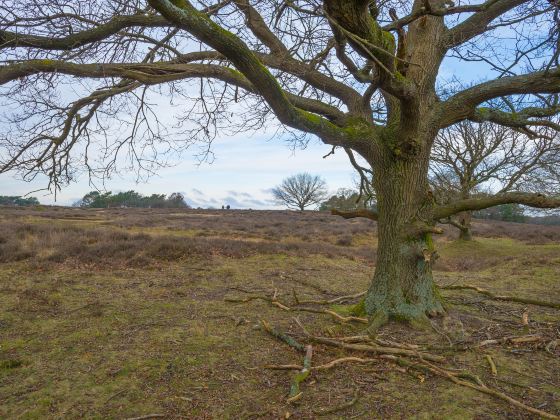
{"x": 341, "y": 407}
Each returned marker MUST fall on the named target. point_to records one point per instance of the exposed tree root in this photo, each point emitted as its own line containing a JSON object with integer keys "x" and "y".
{"x": 494, "y": 296}
{"x": 274, "y": 301}
{"x": 341, "y": 407}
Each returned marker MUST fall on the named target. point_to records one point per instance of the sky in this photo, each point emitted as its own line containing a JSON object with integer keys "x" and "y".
{"x": 244, "y": 170}
{"x": 241, "y": 175}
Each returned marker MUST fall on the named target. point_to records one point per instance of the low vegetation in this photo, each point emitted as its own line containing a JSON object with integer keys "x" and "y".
{"x": 128, "y": 313}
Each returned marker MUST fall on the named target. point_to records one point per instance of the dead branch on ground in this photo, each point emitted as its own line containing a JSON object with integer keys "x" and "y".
{"x": 494, "y": 296}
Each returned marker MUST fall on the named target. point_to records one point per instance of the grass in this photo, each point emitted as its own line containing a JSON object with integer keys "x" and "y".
{"x": 117, "y": 314}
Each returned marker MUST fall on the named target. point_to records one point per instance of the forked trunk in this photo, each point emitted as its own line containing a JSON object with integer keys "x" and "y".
{"x": 402, "y": 287}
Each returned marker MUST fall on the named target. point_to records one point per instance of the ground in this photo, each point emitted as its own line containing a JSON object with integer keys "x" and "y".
{"x": 124, "y": 313}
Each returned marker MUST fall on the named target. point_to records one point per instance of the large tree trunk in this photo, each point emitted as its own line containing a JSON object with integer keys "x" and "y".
{"x": 402, "y": 287}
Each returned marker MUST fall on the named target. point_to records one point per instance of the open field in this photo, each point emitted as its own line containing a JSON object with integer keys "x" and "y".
{"x": 123, "y": 313}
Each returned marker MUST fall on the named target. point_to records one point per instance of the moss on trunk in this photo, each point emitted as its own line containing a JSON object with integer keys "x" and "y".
{"x": 402, "y": 287}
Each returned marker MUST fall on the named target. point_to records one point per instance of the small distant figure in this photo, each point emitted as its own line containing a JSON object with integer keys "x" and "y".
{"x": 223, "y": 207}
{"x": 227, "y": 207}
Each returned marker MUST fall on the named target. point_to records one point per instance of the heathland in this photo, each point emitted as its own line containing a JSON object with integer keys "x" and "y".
{"x": 127, "y": 313}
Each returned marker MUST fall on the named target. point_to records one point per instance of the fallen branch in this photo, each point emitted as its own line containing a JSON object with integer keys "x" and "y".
{"x": 295, "y": 392}
{"x": 342, "y": 360}
{"x": 491, "y": 295}
{"x": 513, "y": 340}
{"x": 489, "y": 391}
{"x": 282, "y": 336}
{"x": 371, "y": 348}
{"x": 493, "y": 368}
{"x": 328, "y": 365}
{"x": 478, "y": 385}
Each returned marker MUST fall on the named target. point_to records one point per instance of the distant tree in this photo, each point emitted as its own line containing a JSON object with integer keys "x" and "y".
{"x": 6, "y": 200}
{"x": 176, "y": 200}
{"x": 469, "y": 158}
{"x": 95, "y": 199}
{"x": 300, "y": 191}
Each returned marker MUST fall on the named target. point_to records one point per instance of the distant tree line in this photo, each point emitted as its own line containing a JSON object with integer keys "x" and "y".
{"x": 7, "y": 200}
{"x": 505, "y": 212}
{"x": 96, "y": 199}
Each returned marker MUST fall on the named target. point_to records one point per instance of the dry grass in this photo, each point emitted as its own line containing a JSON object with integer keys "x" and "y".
{"x": 116, "y": 314}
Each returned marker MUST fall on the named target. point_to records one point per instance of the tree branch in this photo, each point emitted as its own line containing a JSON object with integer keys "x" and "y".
{"x": 225, "y": 42}
{"x": 478, "y": 23}
{"x": 9, "y": 39}
{"x": 463, "y": 105}
{"x": 368, "y": 214}
{"x": 521, "y": 119}
{"x": 156, "y": 73}
{"x": 532, "y": 200}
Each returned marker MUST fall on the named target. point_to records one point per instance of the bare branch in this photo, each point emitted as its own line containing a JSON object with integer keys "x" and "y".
{"x": 532, "y": 200}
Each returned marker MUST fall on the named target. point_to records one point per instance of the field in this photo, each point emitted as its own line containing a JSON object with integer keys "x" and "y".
{"x": 158, "y": 314}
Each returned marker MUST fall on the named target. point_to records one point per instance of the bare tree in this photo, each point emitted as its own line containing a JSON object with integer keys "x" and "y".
{"x": 358, "y": 74}
{"x": 300, "y": 191}
{"x": 470, "y": 159}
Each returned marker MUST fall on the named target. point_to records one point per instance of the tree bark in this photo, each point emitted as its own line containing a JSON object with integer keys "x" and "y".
{"x": 402, "y": 287}
{"x": 465, "y": 233}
